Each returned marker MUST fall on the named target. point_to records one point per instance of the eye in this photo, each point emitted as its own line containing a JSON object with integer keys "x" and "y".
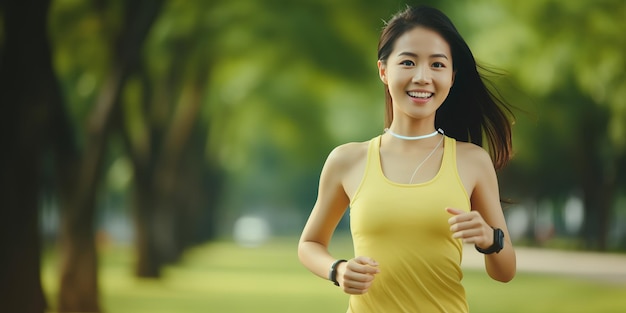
{"x": 407, "y": 63}
{"x": 438, "y": 65}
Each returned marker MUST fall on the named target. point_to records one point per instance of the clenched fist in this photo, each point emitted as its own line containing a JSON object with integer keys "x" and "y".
{"x": 356, "y": 276}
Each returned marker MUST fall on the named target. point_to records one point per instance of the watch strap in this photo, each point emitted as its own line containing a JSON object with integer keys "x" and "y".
{"x": 498, "y": 242}
{"x": 332, "y": 273}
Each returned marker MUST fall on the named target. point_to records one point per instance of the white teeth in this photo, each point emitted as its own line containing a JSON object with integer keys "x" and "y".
{"x": 420, "y": 94}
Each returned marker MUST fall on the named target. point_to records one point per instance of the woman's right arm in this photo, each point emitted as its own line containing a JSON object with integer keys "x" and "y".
{"x": 329, "y": 207}
{"x": 355, "y": 275}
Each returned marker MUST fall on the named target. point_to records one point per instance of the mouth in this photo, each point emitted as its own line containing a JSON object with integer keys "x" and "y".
{"x": 420, "y": 95}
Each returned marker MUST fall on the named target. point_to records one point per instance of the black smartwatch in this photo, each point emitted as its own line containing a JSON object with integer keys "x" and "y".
{"x": 498, "y": 242}
{"x": 332, "y": 273}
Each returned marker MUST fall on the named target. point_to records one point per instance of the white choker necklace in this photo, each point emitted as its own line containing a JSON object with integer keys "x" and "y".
{"x": 387, "y": 130}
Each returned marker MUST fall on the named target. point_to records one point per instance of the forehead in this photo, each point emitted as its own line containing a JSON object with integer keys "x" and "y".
{"x": 421, "y": 41}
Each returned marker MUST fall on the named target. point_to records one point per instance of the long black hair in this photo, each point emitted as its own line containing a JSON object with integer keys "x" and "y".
{"x": 470, "y": 108}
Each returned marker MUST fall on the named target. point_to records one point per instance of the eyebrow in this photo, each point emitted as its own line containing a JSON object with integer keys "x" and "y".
{"x": 435, "y": 55}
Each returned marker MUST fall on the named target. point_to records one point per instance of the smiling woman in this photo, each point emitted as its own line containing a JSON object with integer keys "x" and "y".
{"x": 416, "y": 194}
{"x": 418, "y": 77}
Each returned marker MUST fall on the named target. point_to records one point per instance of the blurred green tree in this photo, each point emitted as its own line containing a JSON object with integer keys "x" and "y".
{"x": 81, "y": 146}
{"x": 568, "y": 60}
{"x": 175, "y": 180}
{"x": 152, "y": 97}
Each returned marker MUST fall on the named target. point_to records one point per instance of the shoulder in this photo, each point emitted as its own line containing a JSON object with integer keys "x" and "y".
{"x": 471, "y": 154}
{"x": 342, "y": 166}
{"x": 475, "y": 167}
{"x": 348, "y": 153}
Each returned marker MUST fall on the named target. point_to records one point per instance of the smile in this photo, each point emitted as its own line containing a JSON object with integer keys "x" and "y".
{"x": 420, "y": 95}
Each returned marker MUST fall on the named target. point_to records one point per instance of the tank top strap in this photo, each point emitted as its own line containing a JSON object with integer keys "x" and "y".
{"x": 449, "y": 170}
{"x": 371, "y": 165}
{"x": 448, "y": 163}
{"x": 373, "y": 152}
{"x": 373, "y": 156}
{"x": 449, "y": 150}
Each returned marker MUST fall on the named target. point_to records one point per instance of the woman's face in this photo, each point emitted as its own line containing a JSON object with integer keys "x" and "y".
{"x": 418, "y": 73}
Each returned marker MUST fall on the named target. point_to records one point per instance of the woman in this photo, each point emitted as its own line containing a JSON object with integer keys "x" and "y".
{"x": 423, "y": 188}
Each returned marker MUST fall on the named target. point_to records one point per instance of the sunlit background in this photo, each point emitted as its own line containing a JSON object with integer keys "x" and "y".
{"x": 179, "y": 146}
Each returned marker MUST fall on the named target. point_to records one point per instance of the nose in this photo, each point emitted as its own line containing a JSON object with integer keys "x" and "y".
{"x": 421, "y": 75}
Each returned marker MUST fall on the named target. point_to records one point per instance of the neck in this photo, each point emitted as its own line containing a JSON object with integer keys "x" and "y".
{"x": 414, "y": 137}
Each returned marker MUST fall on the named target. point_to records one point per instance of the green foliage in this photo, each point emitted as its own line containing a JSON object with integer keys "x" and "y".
{"x": 284, "y": 68}
{"x": 80, "y": 39}
{"x": 566, "y": 63}
{"x": 568, "y": 56}
{"x": 283, "y": 82}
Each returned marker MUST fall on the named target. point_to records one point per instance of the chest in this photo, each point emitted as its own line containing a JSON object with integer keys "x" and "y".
{"x": 393, "y": 210}
{"x": 411, "y": 168}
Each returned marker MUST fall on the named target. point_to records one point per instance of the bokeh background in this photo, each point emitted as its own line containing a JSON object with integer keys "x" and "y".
{"x": 163, "y": 155}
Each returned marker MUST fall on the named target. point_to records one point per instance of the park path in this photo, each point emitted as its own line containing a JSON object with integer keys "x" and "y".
{"x": 607, "y": 267}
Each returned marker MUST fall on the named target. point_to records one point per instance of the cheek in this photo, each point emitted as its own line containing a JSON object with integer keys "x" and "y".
{"x": 398, "y": 79}
{"x": 446, "y": 81}
{"x": 396, "y": 88}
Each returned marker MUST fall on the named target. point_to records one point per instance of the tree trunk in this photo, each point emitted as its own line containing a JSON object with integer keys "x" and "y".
{"x": 599, "y": 193}
{"x": 79, "y": 278}
{"x": 599, "y": 180}
{"x": 147, "y": 264}
{"x": 598, "y": 202}
{"x": 162, "y": 216}
{"x": 28, "y": 90}
{"x": 79, "y": 178}
{"x": 81, "y": 174}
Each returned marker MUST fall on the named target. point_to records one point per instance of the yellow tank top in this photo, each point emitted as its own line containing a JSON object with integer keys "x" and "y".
{"x": 404, "y": 227}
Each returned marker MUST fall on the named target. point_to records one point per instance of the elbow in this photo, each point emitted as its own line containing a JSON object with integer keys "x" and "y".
{"x": 303, "y": 251}
{"x": 502, "y": 267}
{"x": 300, "y": 252}
{"x": 503, "y": 276}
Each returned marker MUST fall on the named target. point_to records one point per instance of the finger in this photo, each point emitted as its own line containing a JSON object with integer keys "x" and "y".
{"x": 477, "y": 240}
{"x": 365, "y": 261}
{"x": 473, "y": 237}
{"x": 471, "y": 224}
{"x": 355, "y": 291}
{"x": 362, "y": 268}
{"x": 358, "y": 277}
{"x": 363, "y": 264}
{"x": 457, "y": 215}
{"x": 454, "y": 211}
{"x": 467, "y": 234}
{"x": 355, "y": 282}
{"x": 464, "y": 216}
{"x": 358, "y": 286}
{"x": 359, "y": 282}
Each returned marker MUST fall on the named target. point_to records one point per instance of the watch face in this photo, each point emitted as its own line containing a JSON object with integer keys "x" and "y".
{"x": 499, "y": 238}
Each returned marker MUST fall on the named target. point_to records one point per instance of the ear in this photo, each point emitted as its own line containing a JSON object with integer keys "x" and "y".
{"x": 382, "y": 71}
{"x": 453, "y": 76}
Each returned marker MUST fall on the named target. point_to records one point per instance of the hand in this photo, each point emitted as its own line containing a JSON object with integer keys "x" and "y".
{"x": 355, "y": 276}
{"x": 470, "y": 227}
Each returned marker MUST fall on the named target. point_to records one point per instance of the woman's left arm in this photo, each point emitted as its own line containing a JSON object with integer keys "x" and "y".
{"x": 476, "y": 226}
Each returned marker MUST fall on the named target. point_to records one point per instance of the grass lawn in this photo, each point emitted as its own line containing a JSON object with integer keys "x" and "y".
{"x": 223, "y": 277}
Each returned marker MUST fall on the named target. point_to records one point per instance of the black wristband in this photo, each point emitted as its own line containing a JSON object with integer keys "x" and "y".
{"x": 498, "y": 242}
{"x": 332, "y": 273}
